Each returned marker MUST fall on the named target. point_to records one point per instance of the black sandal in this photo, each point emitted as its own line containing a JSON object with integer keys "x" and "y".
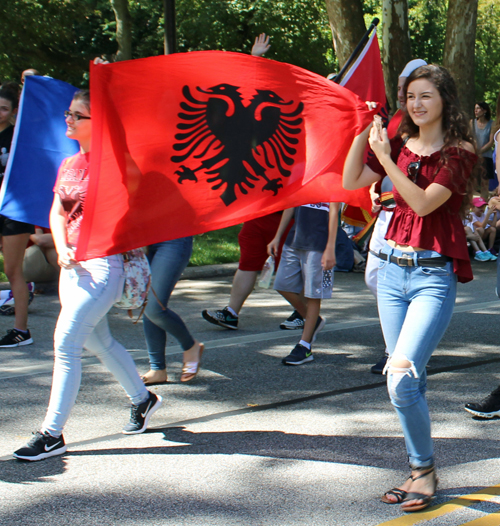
{"x": 400, "y": 495}
{"x": 426, "y": 499}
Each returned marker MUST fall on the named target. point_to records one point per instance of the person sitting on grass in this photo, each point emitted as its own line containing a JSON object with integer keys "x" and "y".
{"x": 307, "y": 261}
{"x": 484, "y": 224}
{"x": 480, "y": 251}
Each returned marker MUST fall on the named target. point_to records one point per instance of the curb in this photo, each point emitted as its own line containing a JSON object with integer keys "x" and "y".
{"x": 209, "y": 271}
{"x": 204, "y": 272}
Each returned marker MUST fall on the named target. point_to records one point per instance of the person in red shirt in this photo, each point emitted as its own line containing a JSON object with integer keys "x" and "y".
{"x": 87, "y": 290}
{"x": 425, "y": 254}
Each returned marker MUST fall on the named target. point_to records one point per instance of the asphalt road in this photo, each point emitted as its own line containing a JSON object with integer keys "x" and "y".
{"x": 250, "y": 441}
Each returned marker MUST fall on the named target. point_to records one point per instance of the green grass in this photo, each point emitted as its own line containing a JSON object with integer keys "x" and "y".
{"x": 219, "y": 246}
{"x": 3, "y": 277}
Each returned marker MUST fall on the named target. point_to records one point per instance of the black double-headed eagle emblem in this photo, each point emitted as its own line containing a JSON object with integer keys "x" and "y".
{"x": 235, "y": 144}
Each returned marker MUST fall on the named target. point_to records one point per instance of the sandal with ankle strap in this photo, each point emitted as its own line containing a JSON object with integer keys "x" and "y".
{"x": 398, "y": 493}
{"x": 426, "y": 499}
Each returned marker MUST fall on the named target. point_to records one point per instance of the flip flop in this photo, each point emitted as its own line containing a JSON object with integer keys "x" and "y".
{"x": 191, "y": 369}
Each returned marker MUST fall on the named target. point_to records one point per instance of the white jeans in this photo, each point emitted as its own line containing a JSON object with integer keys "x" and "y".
{"x": 87, "y": 292}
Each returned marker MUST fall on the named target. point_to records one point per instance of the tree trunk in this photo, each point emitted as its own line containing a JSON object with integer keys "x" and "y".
{"x": 123, "y": 29}
{"x": 348, "y": 26}
{"x": 396, "y": 47}
{"x": 459, "y": 49}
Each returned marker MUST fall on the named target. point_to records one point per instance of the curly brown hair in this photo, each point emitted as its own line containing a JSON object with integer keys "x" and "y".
{"x": 455, "y": 125}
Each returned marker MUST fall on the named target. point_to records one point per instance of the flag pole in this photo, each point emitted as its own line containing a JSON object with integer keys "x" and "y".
{"x": 355, "y": 53}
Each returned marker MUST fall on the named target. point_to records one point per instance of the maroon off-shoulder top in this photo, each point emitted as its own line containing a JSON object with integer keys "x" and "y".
{"x": 441, "y": 230}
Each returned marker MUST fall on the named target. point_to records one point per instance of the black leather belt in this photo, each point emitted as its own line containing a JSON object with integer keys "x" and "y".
{"x": 407, "y": 260}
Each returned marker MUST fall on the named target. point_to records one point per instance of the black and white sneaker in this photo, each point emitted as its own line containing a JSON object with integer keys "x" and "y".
{"x": 15, "y": 338}
{"x": 140, "y": 415}
{"x": 294, "y": 321}
{"x": 223, "y": 318}
{"x": 42, "y": 445}
{"x": 320, "y": 323}
{"x": 487, "y": 408}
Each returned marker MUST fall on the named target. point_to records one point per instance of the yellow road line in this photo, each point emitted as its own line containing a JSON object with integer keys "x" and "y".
{"x": 492, "y": 519}
{"x": 464, "y": 501}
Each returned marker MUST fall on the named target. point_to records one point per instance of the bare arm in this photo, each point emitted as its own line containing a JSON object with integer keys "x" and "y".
{"x": 272, "y": 248}
{"x": 421, "y": 201}
{"x": 489, "y": 144}
{"x": 57, "y": 218}
{"x": 487, "y": 221}
{"x": 375, "y": 197}
{"x": 356, "y": 174}
{"x": 42, "y": 240}
{"x": 498, "y": 166}
{"x": 328, "y": 260}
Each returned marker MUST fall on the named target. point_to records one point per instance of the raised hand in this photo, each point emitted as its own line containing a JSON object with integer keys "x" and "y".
{"x": 261, "y": 45}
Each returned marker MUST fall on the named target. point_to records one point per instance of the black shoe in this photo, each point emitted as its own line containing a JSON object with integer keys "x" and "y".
{"x": 41, "y": 446}
{"x": 487, "y": 408}
{"x": 222, "y": 318}
{"x": 140, "y": 415}
{"x": 378, "y": 368}
{"x": 294, "y": 321}
{"x": 298, "y": 356}
{"x": 15, "y": 338}
{"x": 320, "y": 323}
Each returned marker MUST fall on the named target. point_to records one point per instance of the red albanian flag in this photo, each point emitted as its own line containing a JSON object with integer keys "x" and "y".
{"x": 187, "y": 143}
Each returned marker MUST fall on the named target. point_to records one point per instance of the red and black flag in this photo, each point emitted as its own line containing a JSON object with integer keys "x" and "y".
{"x": 187, "y": 143}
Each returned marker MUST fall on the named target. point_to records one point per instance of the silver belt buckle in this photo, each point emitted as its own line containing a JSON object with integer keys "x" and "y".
{"x": 407, "y": 259}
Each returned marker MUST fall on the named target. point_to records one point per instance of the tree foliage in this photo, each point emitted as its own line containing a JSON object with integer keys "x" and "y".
{"x": 427, "y": 21}
{"x": 488, "y": 52}
{"x": 63, "y": 35}
{"x": 299, "y": 29}
{"x": 60, "y": 37}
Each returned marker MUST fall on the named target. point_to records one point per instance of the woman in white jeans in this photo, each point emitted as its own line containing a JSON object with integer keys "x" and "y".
{"x": 88, "y": 290}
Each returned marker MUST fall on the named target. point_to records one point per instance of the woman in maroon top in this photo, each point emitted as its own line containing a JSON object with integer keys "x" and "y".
{"x": 425, "y": 255}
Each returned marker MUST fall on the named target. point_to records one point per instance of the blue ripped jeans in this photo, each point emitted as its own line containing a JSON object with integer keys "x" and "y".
{"x": 415, "y": 306}
{"x": 168, "y": 260}
{"x": 87, "y": 292}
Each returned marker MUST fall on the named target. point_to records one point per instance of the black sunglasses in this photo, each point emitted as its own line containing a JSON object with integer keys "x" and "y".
{"x": 74, "y": 116}
{"x": 413, "y": 169}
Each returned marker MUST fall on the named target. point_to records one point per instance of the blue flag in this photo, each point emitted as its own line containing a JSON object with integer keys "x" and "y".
{"x": 38, "y": 147}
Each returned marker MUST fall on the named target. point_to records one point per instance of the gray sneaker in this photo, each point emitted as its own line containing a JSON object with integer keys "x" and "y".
{"x": 294, "y": 321}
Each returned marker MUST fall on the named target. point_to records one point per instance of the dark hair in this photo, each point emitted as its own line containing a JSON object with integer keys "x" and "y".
{"x": 12, "y": 86}
{"x": 83, "y": 96}
{"x": 8, "y": 94}
{"x": 486, "y": 107}
{"x": 454, "y": 121}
